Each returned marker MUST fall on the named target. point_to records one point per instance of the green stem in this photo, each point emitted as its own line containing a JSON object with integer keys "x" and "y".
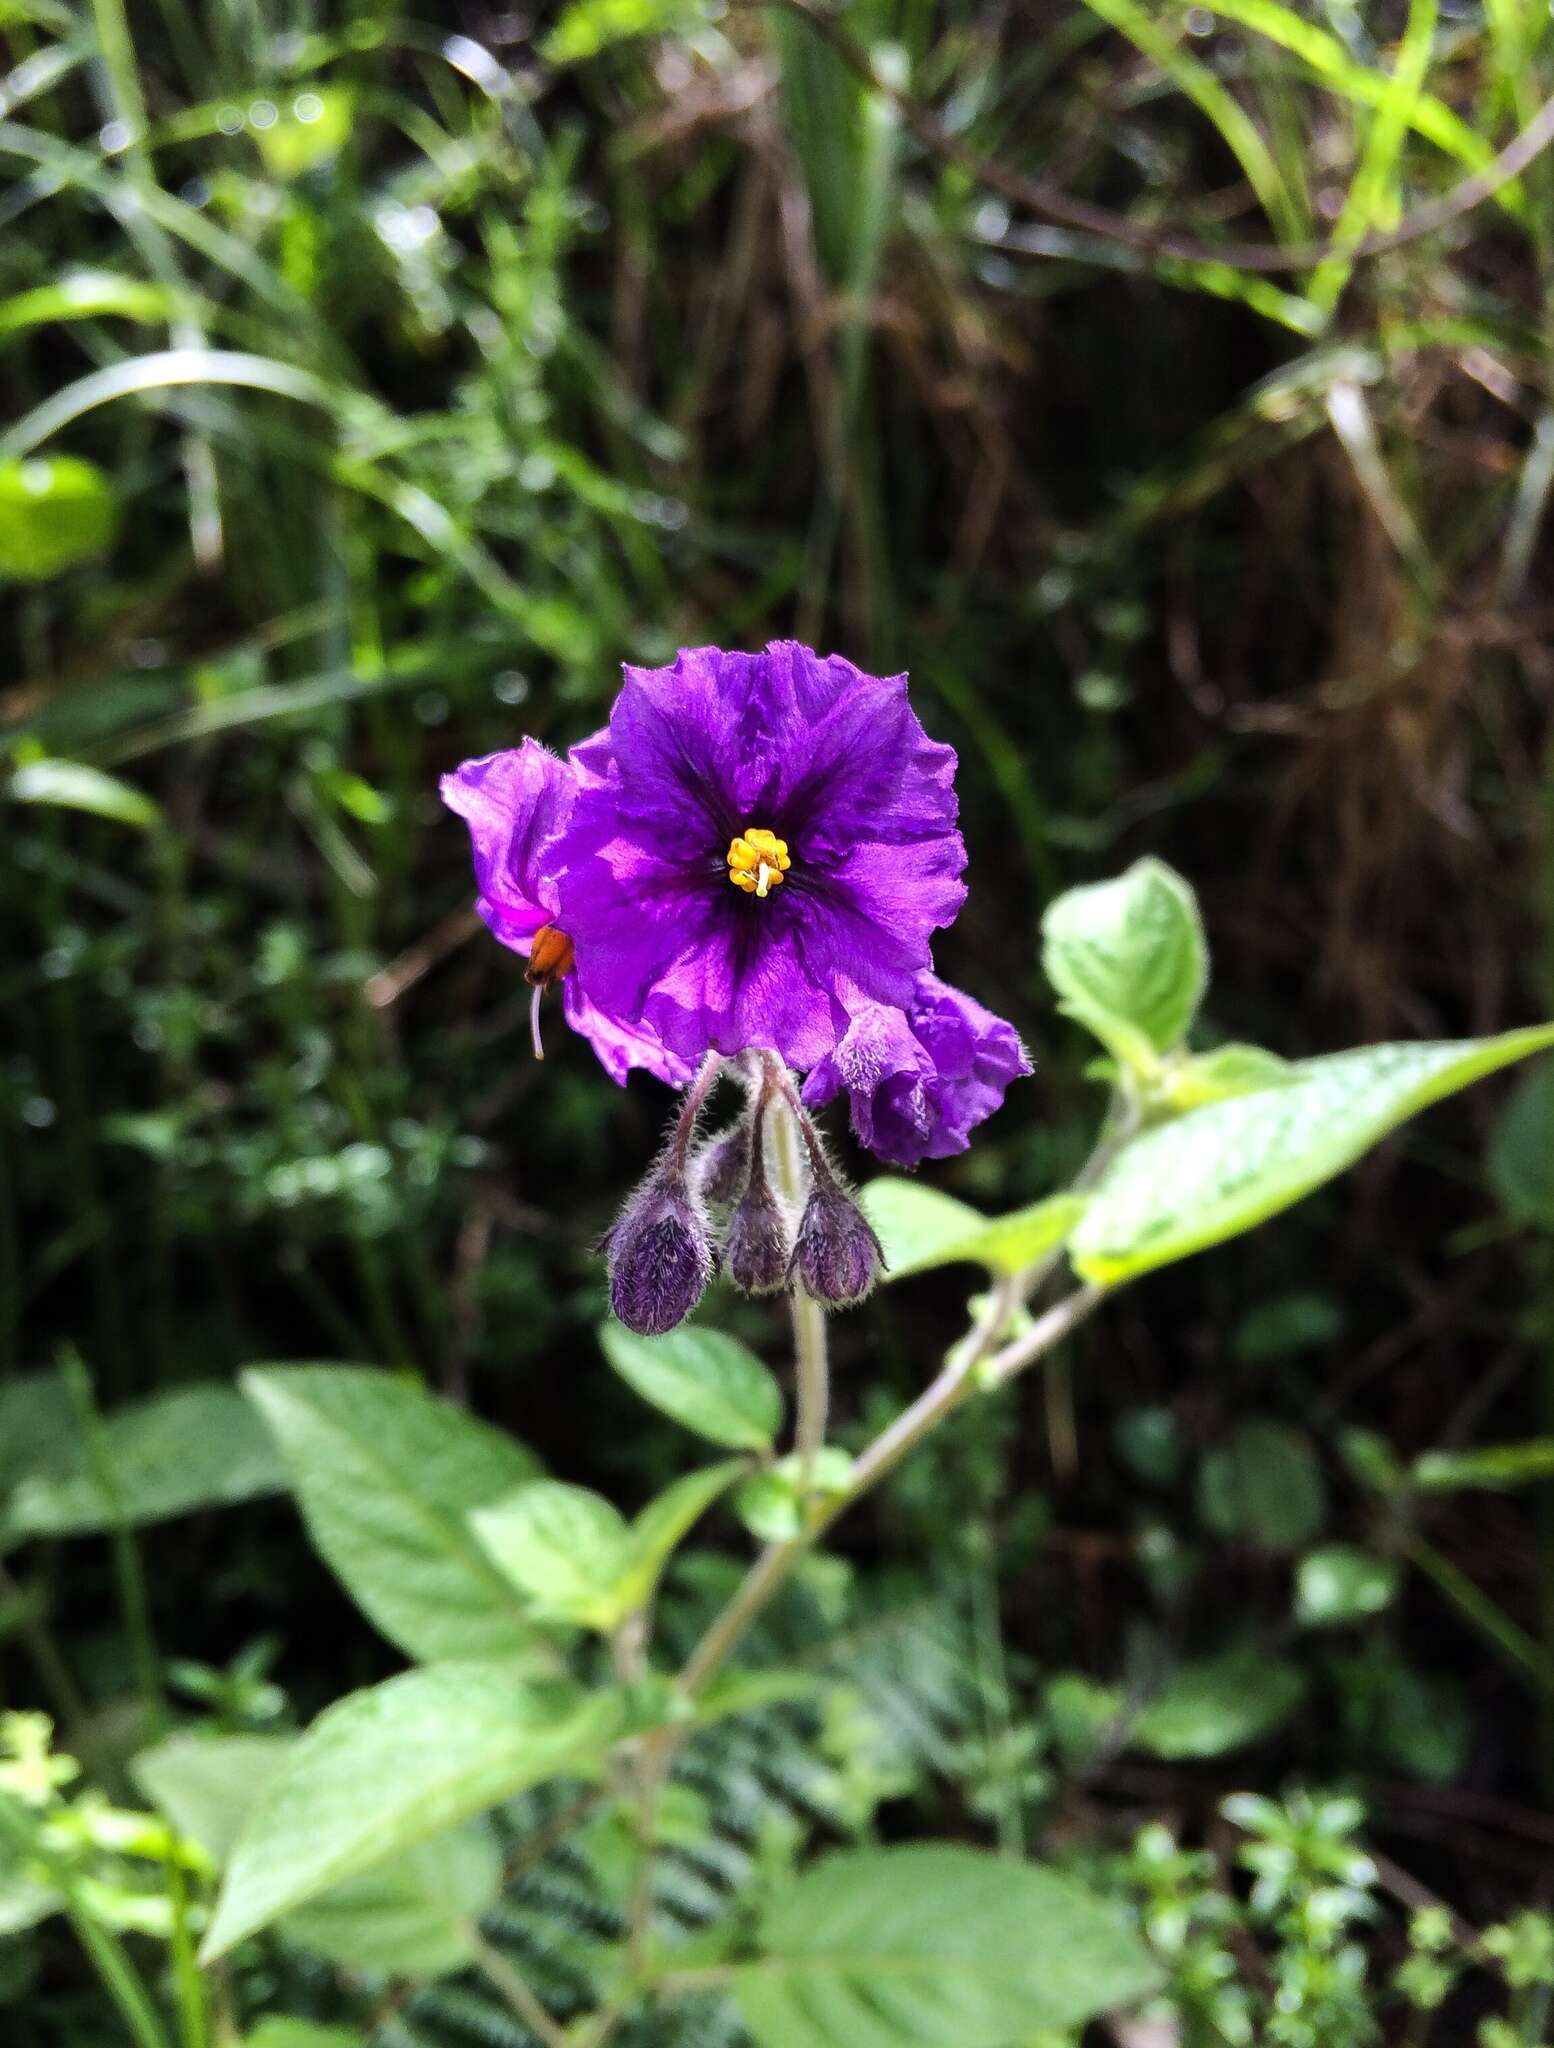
{"x": 133, "y": 1597}
{"x": 812, "y": 1369}
{"x": 515, "y": 1989}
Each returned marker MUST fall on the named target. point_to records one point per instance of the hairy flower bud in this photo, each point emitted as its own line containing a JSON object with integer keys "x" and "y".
{"x": 660, "y": 1257}
{"x": 758, "y": 1249}
{"x": 837, "y": 1255}
{"x": 722, "y": 1167}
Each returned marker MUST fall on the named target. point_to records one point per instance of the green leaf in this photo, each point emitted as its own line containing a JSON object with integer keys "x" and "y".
{"x": 771, "y": 1503}
{"x": 567, "y": 1548}
{"x": 206, "y": 1784}
{"x": 1491, "y": 1468}
{"x": 1340, "y": 1584}
{"x": 920, "y": 1228}
{"x": 1221, "y": 1170}
{"x": 1219, "y": 1703}
{"x": 710, "y": 1383}
{"x": 196, "y": 1447}
{"x": 386, "y": 1477}
{"x": 278, "y": 2030}
{"x": 934, "y": 1946}
{"x": 86, "y": 295}
{"x": 313, "y": 128}
{"x": 1217, "y": 1076}
{"x": 73, "y": 786}
{"x": 55, "y": 511}
{"x": 1263, "y": 1484}
{"x": 413, "y": 1917}
{"x": 395, "y": 1765}
{"x": 1521, "y": 1151}
{"x": 1129, "y": 960}
{"x": 658, "y": 1530}
{"x": 38, "y": 1426}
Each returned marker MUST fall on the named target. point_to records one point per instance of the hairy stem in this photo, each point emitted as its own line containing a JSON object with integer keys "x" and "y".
{"x": 813, "y": 1376}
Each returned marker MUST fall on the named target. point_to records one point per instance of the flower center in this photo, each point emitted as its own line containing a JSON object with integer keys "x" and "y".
{"x": 757, "y": 860}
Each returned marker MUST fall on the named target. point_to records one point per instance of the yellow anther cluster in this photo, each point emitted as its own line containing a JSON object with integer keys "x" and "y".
{"x": 757, "y": 860}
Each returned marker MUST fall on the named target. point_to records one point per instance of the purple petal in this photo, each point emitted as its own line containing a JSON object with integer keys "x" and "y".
{"x": 620, "y": 1047}
{"x": 516, "y": 805}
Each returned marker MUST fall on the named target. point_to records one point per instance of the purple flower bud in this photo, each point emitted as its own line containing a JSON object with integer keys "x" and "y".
{"x": 722, "y": 1167}
{"x": 759, "y": 1247}
{"x": 837, "y": 1256}
{"x": 660, "y": 1257}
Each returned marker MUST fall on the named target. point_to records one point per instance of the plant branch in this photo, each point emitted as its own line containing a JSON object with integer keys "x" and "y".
{"x": 1048, "y": 200}
{"x": 518, "y": 1993}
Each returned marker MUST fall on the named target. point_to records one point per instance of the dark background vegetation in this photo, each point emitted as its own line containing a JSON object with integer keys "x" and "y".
{"x": 590, "y": 332}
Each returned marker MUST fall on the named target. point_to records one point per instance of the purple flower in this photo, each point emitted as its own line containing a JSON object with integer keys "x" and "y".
{"x": 517, "y": 806}
{"x": 754, "y": 837}
{"x": 920, "y": 1079}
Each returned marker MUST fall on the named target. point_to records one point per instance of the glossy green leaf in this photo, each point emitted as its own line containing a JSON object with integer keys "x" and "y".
{"x": 1340, "y": 1584}
{"x": 1221, "y": 1170}
{"x": 1490, "y": 1468}
{"x": 413, "y": 1917}
{"x": 386, "y": 1477}
{"x": 934, "y": 1946}
{"x": 206, "y": 1784}
{"x": 563, "y": 1546}
{"x": 55, "y": 511}
{"x": 920, "y": 1228}
{"x": 1216, "y": 1704}
{"x": 1264, "y": 1485}
{"x": 74, "y": 786}
{"x": 196, "y": 1447}
{"x": 1128, "y": 959}
{"x": 708, "y": 1382}
{"x": 395, "y": 1765}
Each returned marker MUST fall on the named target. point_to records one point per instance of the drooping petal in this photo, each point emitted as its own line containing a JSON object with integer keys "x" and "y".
{"x": 620, "y": 1046}
{"x": 516, "y": 805}
{"x": 920, "y": 1081}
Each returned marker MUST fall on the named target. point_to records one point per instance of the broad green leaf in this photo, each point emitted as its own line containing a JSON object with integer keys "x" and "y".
{"x": 710, "y": 1383}
{"x": 1128, "y": 960}
{"x": 1340, "y": 1584}
{"x": 1081, "y": 1714}
{"x": 55, "y": 511}
{"x": 74, "y": 786}
{"x": 1488, "y": 1469}
{"x": 934, "y": 1946}
{"x": 395, "y": 1765}
{"x": 196, "y": 1447}
{"x": 564, "y": 1546}
{"x": 206, "y": 1784}
{"x": 1521, "y": 1152}
{"x": 919, "y": 1228}
{"x": 667, "y": 1518}
{"x": 1221, "y": 1170}
{"x": 585, "y": 27}
{"x": 1217, "y": 1076}
{"x": 1263, "y": 1484}
{"x": 1149, "y": 1442}
{"x": 1219, "y": 1703}
{"x": 413, "y": 1917}
{"x": 386, "y": 1477}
